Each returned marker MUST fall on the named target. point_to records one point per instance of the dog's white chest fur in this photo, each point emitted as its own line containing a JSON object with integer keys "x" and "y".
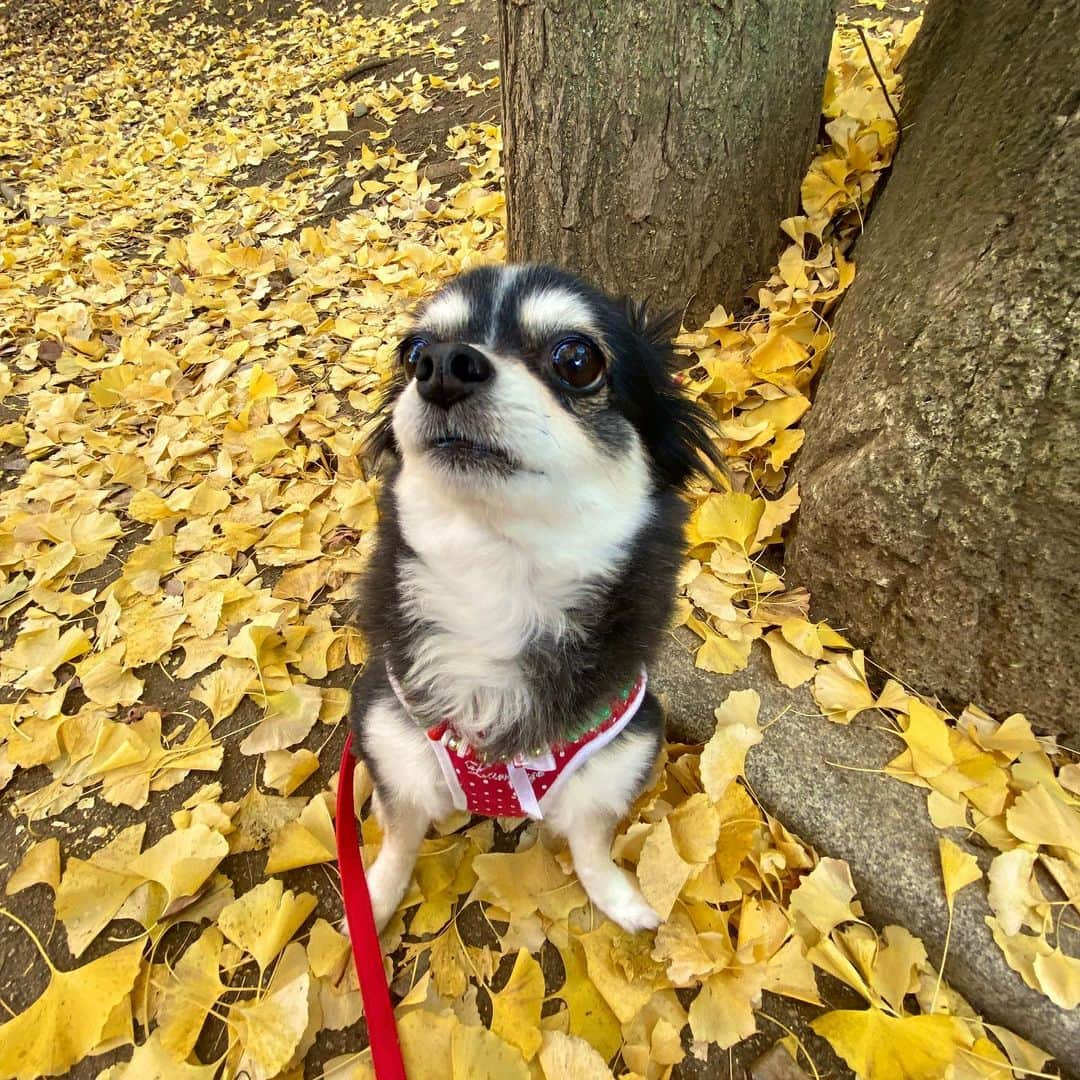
{"x": 486, "y": 586}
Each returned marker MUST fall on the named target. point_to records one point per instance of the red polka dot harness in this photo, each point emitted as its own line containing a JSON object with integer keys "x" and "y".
{"x": 521, "y": 788}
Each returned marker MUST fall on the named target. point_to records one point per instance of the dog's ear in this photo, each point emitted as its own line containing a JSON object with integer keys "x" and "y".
{"x": 677, "y": 432}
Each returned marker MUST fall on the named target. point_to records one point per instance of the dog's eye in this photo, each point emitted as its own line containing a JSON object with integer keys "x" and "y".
{"x": 411, "y": 348}
{"x": 578, "y": 363}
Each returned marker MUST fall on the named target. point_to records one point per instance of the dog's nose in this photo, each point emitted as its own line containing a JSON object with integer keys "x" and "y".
{"x": 449, "y": 373}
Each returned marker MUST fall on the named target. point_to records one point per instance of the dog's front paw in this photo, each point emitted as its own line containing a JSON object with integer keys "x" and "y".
{"x": 636, "y": 916}
{"x": 620, "y": 899}
{"x": 386, "y": 886}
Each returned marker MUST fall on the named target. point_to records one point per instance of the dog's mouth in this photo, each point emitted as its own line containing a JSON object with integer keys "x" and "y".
{"x": 461, "y": 453}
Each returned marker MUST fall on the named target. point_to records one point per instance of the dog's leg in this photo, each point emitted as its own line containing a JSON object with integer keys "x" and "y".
{"x": 410, "y": 794}
{"x": 613, "y": 890}
{"x": 589, "y": 807}
{"x": 404, "y": 828}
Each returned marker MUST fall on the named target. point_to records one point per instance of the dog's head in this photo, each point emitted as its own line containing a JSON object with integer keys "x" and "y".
{"x": 519, "y": 377}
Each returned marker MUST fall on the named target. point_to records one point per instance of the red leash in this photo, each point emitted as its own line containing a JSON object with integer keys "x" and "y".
{"x": 379, "y": 1013}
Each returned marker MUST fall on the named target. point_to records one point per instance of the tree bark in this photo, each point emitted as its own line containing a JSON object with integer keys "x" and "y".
{"x": 940, "y": 478}
{"x": 655, "y": 145}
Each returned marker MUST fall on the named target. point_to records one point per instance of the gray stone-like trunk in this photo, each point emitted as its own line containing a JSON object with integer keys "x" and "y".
{"x": 941, "y": 474}
{"x": 824, "y": 782}
{"x": 654, "y": 146}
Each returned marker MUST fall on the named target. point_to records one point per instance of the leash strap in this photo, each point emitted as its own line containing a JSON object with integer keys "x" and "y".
{"x": 378, "y": 1011}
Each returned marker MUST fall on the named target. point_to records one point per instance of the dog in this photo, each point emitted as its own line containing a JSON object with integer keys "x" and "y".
{"x": 530, "y": 535}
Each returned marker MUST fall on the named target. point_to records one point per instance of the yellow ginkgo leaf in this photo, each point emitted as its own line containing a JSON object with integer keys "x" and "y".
{"x": 791, "y": 267}
{"x": 695, "y": 828}
{"x": 590, "y": 1016}
{"x": 723, "y": 1011}
{"x": 515, "y": 1010}
{"x": 841, "y": 690}
{"x": 193, "y": 989}
{"x": 890, "y": 1048}
{"x": 661, "y": 870}
{"x": 1038, "y": 818}
{"x": 92, "y": 891}
{"x": 40, "y": 866}
{"x": 71, "y": 1018}
{"x": 803, "y": 635}
{"x": 566, "y": 1057}
{"x": 1044, "y": 968}
{"x": 1009, "y": 893}
{"x": 261, "y": 384}
{"x": 264, "y": 919}
{"x": 224, "y": 688}
{"x": 793, "y": 668}
{"x": 1013, "y": 738}
{"x": 449, "y": 963}
{"x": 306, "y": 841}
{"x": 622, "y": 968}
{"x": 824, "y": 899}
{"x": 896, "y": 969}
{"x": 947, "y": 813}
{"x": 479, "y": 1054}
{"x": 105, "y": 681}
{"x": 151, "y": 1061}
{"x": 521, "y": 881}
{"x": 426, "y": 1044}
{"x": 1059, "y": 978}
{"x": 268, "y": 1028}
{"x": 723, "y": 655}
{"x": 712, "y": 595}
{"x": 927, "y": 736}
{"x": 737, "y": 730}
{"x": 328, "y": 951}
{"x": 732, "y": 516}
{"x": 181, "y": 862}
{"x": 289, "y": 717}
{"x": 285, "y": 770}
{"x": 958, "y": 868}
{"x": 776, "y": 513}
{"x": 258, "y": 817}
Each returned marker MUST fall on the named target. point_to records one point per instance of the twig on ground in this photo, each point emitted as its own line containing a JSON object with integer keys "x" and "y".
{"x": 881, "y": 83}
{"x": 373, "y": 64}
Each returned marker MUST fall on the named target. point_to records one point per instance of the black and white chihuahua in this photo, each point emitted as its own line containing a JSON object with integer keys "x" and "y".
{"x": 528, "y": 546}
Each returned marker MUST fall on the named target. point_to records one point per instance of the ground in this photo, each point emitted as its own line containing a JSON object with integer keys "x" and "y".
{"x": 172, "y": 341}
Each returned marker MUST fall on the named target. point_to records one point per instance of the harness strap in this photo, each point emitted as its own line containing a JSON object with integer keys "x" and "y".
{"x": 364, "y": 938}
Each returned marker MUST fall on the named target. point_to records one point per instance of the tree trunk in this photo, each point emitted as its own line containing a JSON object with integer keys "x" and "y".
{"x": 655, "y": 145}
{"x": 940, "y": 478}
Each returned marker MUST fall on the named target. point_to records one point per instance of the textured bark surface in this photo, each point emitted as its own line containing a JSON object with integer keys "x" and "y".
{"x": 654, "y": 145}
{"x": 941, "y": 478}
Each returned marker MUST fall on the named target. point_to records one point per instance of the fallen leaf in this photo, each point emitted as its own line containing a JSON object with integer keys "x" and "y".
{"x": 891, "y": 1048}
{"x": 72, "y": 1016}
{"x": 724, "y": 756}
{"x": 515, "y": 1010}
{"x": 565, "y": 1057}
{"x": 151, "y": 1061}
{"x": 958, "y": 868}
{"x": 264, "y": 919}
{"x": 193, "y": 989}
{"x": 840, "y": 688}
{"x": 39, "y": 866}
{"x": 306, "y": 841}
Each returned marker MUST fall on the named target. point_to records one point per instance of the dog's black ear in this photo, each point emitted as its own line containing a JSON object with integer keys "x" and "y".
{"x": 676, "y": 431}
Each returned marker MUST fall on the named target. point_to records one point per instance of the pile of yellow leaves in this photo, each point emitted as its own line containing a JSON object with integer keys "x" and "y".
{"x": 185, "y": 376}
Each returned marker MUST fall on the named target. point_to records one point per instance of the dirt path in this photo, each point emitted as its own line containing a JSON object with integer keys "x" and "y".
{"x": 70, "y": 44}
